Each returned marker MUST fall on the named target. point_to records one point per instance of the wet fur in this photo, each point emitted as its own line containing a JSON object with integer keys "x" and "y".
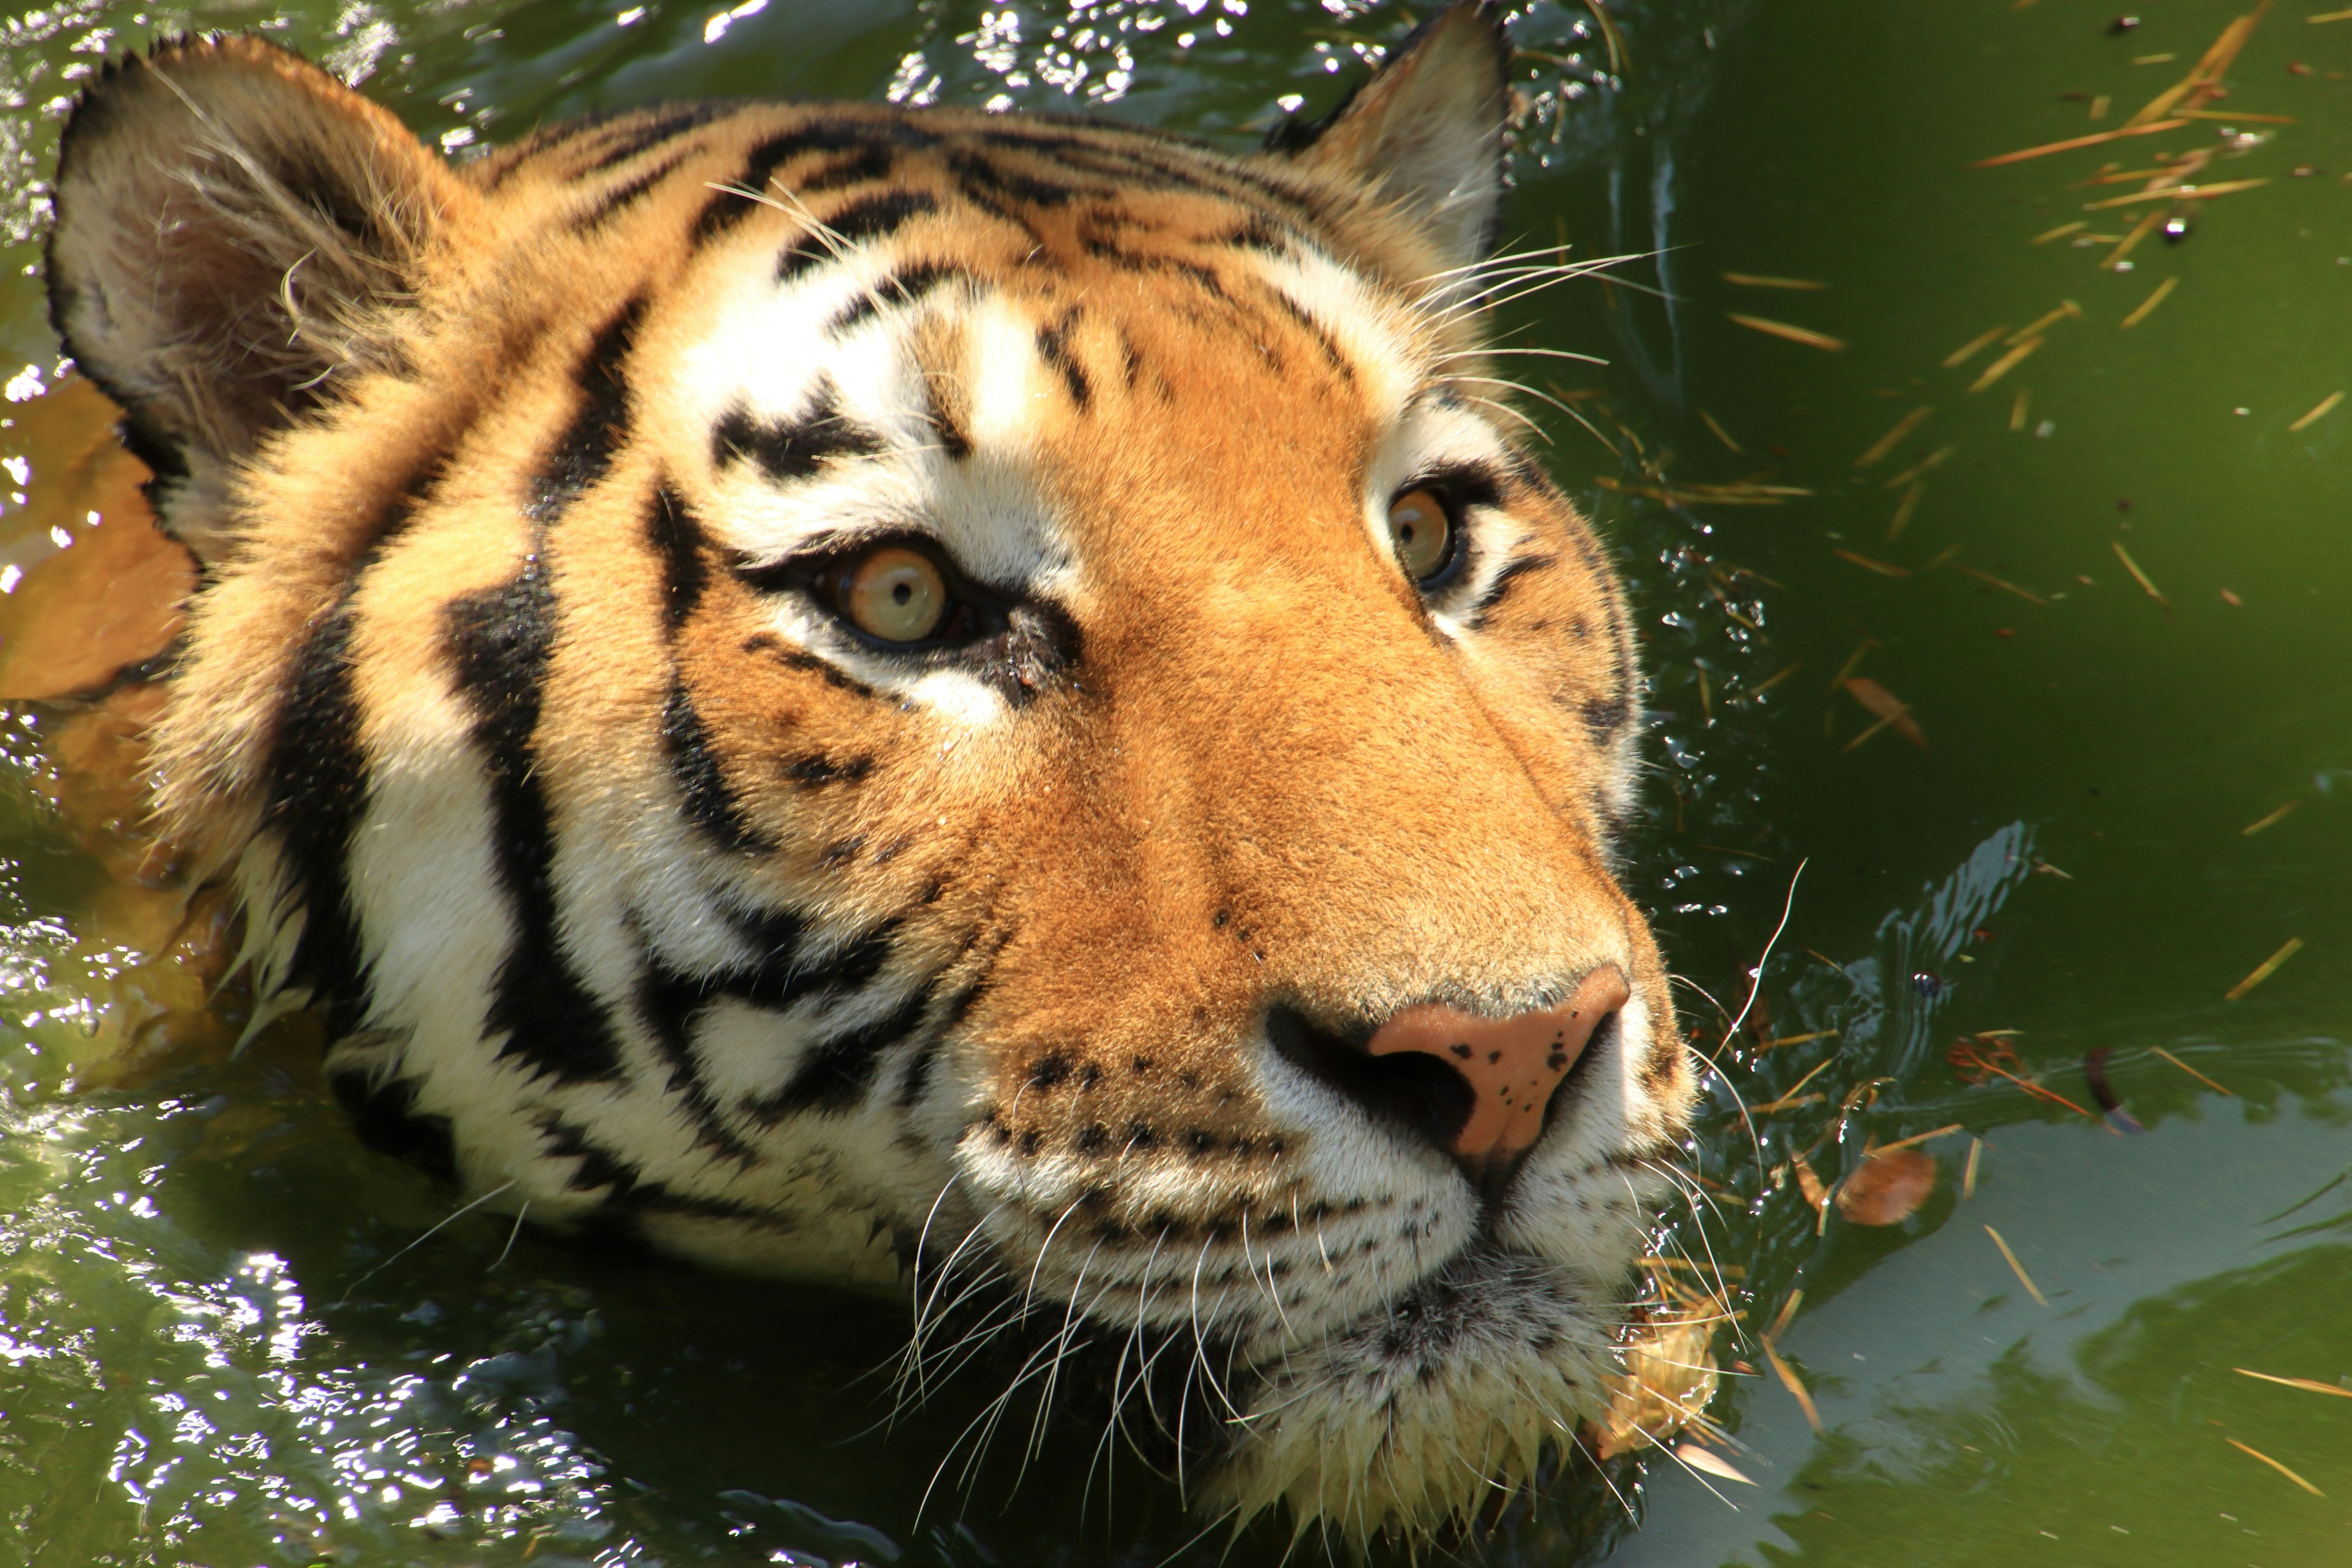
{"x": 637, "y": 889}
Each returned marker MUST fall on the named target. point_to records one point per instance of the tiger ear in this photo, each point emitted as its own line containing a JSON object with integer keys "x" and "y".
{"x": 1427, "y": 131}
{"x": 233, "y": 225}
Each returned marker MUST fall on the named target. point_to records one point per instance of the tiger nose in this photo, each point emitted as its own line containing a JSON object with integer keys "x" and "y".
{"x": 1512, "y": 1066}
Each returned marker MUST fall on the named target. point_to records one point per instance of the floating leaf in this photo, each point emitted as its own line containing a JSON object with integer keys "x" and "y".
{"x": 1698, "y": 1459}
{"x": 1889, "y": 709}
{"x": 101, "y": 588}
{"x": 1888, "y": 1187}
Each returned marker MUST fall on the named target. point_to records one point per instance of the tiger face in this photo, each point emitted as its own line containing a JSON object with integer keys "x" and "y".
{"x": 925, "y": 700}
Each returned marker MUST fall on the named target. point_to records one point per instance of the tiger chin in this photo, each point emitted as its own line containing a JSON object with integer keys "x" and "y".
{"x": 912, "y": 698}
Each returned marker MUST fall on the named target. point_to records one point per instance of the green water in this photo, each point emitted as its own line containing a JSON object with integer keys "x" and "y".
{"x": 217, "y": 1352}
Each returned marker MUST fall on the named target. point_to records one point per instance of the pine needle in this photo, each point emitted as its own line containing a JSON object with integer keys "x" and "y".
{"x": 2016, "y": 1267}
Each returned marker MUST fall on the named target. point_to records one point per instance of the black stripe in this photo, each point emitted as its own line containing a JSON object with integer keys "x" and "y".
{"x": 668, "y": 1018}
{"x": 1314, "y": 328}
{"x": 954, "y": 440}
{"x": 904, "y": 287}
{"x": 584, "y": 451}
{"x": 501, "y": 642}
{"x": 672, "y": 1001}
{"x": 792, "y": 451}
{"x": 726, "y": 209}
{"x": 876, "y": 216}
{"x": 385, "y": 1118}
{"x": 1054, "y": 348}
{"x": 918, "y": 1076}
{"x": 318, "y": 797}
{"x": 601, "y": 210}
{"x": 647, "y": 136}
{"x": 701, "y": 786}
{"x": 987, "y": 184}
{"x": 873, "y": 163}
{"x": 509, "y": 161}
{"x": 1501, "y": 588}
{"x": 677, "y": 538}
{"x": 834, "y": 1076}
{"x": 629, "y": 1191}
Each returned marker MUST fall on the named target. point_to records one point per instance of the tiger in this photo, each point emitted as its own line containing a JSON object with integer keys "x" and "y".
{"x": 926, "y": 700}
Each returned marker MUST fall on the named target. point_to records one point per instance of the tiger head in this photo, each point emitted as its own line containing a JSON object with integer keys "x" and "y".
{"x": 926, "y": 699}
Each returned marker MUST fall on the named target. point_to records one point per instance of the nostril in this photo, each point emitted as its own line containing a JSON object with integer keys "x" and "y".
{"x": 1418, "y": 1094}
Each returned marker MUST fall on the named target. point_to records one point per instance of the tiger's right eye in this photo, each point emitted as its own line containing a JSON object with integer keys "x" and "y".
{"x": 895, "y": 593}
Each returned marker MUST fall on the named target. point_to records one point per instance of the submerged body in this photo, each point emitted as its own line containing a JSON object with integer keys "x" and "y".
{"x": 907, "y": 697}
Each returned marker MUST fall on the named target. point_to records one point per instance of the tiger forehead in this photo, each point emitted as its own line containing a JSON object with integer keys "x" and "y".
{"x": 1140, "y": 262}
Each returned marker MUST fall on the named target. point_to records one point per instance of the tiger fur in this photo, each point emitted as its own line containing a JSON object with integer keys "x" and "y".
{"x": 644, "y": 892}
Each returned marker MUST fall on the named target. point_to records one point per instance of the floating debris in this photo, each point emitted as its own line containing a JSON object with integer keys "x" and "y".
{"x": 2066, "y": 307}
{"x": 2006, "y": 364}
{"x": 1883, "y": 568}
{"x": 1888, "y": 1186}
{"x": 2151, "y": 303}
{"x": 1758, "y": 281}
{"x": 1967, "y": 351}
{"x": 2115, "y": 258}
{"x": 1934, "y": 460}
{"x": 2273, "y": 820}
{"x": 2264, "y": 969}
{"x": 1739, "y": 492}
{"x": 1790, "y": 1101}
{"x": 2177, "y": 193}
{"x": 1890, "y": 710}
{"x": 1790, "y": 1381}
{"x": 1669, "y": 1375}
{"x": 1908, "y": 423}
{"x": 2325, "y": 406}
{"x": 2016, "y": 1267}
{"x": 1721, "y": 433}
{"x": 1698, "y": 1459}
{"x": 1904, "y": 508}
{"x": 2002, "y": 584}
{"x": 2274, "y": 1465}
{"x": 1805, "y": 1039}
{"x": 2191, "y": 1071}
{"x": 2138, "y": 576}
{"x": 2017, "y": 409}
{"x": 1968, "y": 1179}
{"x": 1989, "y": 1056}
{"x": 2303, "y": 1383}
{"x": 2071, "y": 144}
{"x": 1805, "y": 335}
{"x": 2062, "y": 230}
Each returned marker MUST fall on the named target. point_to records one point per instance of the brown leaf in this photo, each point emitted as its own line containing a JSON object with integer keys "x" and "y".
{"x": 1809, "y": 1184}
{"x": 1670, "y": 1376}
{"x": 107, "y": 598}
{"x": 1888, "y": 1188}
{"x": 1889, "y": 709}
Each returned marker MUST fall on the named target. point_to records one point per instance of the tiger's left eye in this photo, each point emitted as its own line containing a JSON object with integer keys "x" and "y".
{"x": 1423, "y": 533}
{"x": 895, "y": 593}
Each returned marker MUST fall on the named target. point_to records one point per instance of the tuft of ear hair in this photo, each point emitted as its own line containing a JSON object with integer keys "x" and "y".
{"x": 1426, "y": 132}
{"x": 232, "y": 227}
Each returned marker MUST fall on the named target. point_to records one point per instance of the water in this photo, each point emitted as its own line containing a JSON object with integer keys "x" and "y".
{"x": 225, "y": 1343}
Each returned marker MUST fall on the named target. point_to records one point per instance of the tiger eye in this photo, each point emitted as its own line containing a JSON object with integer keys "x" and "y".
{"x": 1423, "y": 533}
{"x": 895, "y": 593}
